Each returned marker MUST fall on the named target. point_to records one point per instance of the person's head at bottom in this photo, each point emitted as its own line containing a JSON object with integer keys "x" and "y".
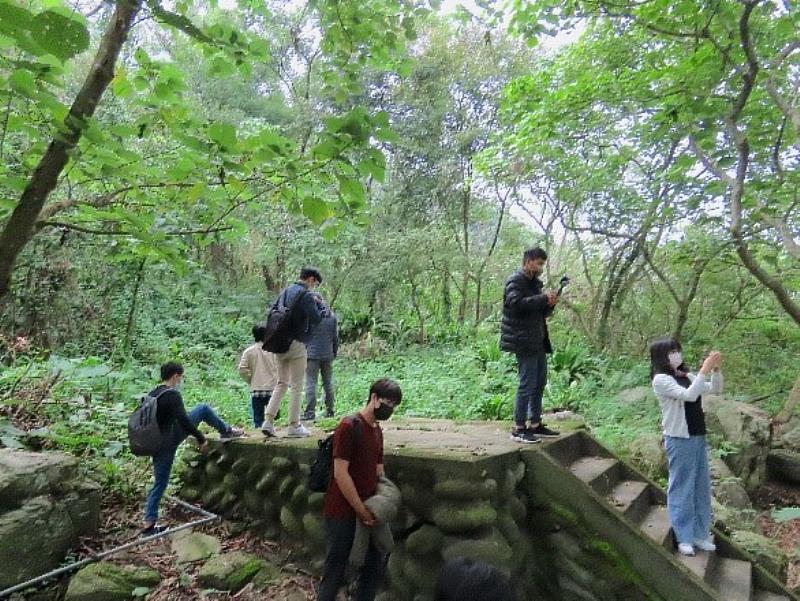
{"x": 465, "y": 578}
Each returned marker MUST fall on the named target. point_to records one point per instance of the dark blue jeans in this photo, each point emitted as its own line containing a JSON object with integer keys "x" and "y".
{"x": 162, "y": 463}
{"x": 340, "y": 535}
{"x": 259, "y": 404}
{"x": 532, "y": 378}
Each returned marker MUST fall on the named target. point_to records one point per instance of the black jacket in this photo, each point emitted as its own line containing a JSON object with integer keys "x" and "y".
{"x": 524, "y": 328}
{"x": 171, "y": 410}
{"x": 306, "y": 315}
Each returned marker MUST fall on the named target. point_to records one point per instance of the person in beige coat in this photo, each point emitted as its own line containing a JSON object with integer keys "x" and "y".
{"x": 260, "y": 370}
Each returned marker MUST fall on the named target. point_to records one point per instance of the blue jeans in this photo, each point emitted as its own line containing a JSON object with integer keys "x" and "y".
{"x": 689, "y": 491}
{"x": 532, "y": 378}
{"x": 162, "y": 462}
{"x": 313, "y": 368}
{"x": 340, "y": 535}
{"x": 259, "y": 404}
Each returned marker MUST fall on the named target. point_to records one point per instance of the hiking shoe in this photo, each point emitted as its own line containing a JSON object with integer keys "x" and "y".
{"x": 543, "y": 431}
{"x": 686, "y": 549}
{"x": 152, "y": 530}
{"x": 525, "y": 436}
{"x": 308, "y": 416}
{"x": 231, "y": 434}
{"x": 705, "y": 544}
{"x": 268, "y": 429}
{"x": 329, "y": 413}
{"x": 298, "y": 431}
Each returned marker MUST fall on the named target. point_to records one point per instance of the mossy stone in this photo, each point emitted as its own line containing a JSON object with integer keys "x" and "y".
{"x": 398, "y": 583}
{"x": 105, "y": 581}
{"x": 509, "y": 484}
{"x": 517, "y": 509}
{"x": 492, "y": 549}
{"x": 290, "y": 523}
{"x": 316, "y": 500}
{"x": 422, "y": 574}
{"x": 230, "y": 571}
{"x": 417, "y": 498}
{"x": 425, "y": 541}
{"x": 463, "y": 517}
{"x": 253, "y": 502}
{"x": 766, "y": 552}
{"x": 190, "y": 493}
{"x": 213, "y": 471}
{"x": 508, "y": 527}
{"x": 227, "y": 502}
{"x": 231, "y": 482}
{"x": 213, "y": 496}
{"x": 462, "y": 490}
{"x": 267, "y": 481}
{"x": 299, "y": 497}
{"x": 314, "y": 528}
{"x": 253, "y": 473}
{"x": 240, "y": 466}
{"x": 193, "y": 546}
{"x": 225, "y": 460}
{"x": 281, "y": 464}
{"x": 286, "y": 487}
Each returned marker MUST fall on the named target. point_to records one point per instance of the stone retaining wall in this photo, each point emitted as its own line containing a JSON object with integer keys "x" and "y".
{"x": 452, "y": 507}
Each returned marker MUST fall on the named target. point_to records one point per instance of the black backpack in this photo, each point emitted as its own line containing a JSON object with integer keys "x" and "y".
{"x": 322, "y": 468}
{"x": 277, "y": 338}
{"x": 144, "y": 435}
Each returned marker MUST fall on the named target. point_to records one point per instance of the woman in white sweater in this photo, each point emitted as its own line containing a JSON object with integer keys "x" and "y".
{"x": 679, "y": 394}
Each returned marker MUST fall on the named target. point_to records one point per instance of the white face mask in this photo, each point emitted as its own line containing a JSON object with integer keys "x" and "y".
{"x": 675, "y": 359}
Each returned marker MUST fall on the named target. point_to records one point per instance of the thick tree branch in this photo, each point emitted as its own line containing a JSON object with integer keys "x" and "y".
{"x": 20, "y": 226}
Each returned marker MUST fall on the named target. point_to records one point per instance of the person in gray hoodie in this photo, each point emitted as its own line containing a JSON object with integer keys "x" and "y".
{"x": 321, "y": 349}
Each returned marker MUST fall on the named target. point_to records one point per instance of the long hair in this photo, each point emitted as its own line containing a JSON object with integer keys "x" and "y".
{"x": 659, "y": 360}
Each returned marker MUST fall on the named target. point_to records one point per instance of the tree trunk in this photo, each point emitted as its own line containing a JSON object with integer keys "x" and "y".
{"x": 132, "y": 311}
{"x": 788, "y": 409}
{"x": 20, "y": 226}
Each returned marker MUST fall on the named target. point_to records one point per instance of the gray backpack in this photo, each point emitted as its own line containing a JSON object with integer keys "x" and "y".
{"x": 144, "y": 435}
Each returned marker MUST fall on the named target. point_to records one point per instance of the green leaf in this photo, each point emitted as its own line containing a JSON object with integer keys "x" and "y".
{"x": 23, "y": 82}
{"x": 59, "y": 32}
{"x": 316, "y": 209}
{"x": 354, "y": 191}
{"x": 223, "y": 134}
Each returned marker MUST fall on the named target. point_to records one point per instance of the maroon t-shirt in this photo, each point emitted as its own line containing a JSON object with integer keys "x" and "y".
{"x": 365, "y": 454}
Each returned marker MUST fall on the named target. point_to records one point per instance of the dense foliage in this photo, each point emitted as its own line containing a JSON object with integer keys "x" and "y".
{"x": 411, "y": 156}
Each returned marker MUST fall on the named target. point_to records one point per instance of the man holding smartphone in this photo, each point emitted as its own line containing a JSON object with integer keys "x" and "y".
{"x": 524, "y": 332}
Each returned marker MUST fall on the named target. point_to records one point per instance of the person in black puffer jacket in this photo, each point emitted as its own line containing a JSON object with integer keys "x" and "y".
{"x": 524, "y": 333}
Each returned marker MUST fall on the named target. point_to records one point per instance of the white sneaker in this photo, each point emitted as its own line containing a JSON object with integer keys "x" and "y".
{"x": 298, "y": 431}
{"x": 705, "y": 544}
{"x": 685, "y": 549}
{"x": 267, "y": 429}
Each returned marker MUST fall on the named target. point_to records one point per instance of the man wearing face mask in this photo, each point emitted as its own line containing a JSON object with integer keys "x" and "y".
{"x": 357, "y": 465}
{"x": 175, "y": 426}
{"x": 524, "y": 332}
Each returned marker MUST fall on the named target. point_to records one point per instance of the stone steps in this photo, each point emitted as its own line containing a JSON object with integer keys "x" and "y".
{"x": 731, "y": 578}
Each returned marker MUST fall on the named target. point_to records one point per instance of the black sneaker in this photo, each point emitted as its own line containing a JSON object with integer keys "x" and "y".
{"x": 231, "y": 434}
{"x": 309, "y": 416}
{"x": 329, "y": 413}
{"x": 544, "y": 432}
{"x": 153, "y": 530}
{"x": 525, "y": 436}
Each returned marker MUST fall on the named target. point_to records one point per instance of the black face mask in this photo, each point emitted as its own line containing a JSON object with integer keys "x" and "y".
{"x": 383, "y": 412}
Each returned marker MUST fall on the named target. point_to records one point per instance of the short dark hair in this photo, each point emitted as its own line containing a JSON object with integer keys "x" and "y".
{"x": 169, "y": 369}
{"x": 533, "y": 253}
{"x": 310, "y": 272}
{"x": 259, "y": 330}
{"x": 659, "y": 355}
{"x": 465, "y": 578}
{"x": 386, "y": 389}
